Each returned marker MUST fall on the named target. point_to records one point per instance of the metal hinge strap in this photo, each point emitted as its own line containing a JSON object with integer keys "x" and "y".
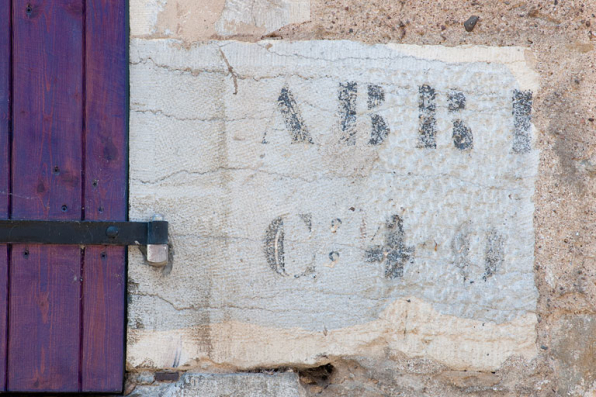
{"x": 152, "y": 234}
{"x": 83, "y": 232}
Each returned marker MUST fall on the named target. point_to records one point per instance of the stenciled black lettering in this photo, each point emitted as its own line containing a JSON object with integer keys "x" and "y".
{"x": 274, "y": 246}
{"x": 460, "y": 245}
{"x": 522, "y": 121}
{"x": 394, "y": 252}
{"x": 494, "y": 254}
{"x": 379, "y": 129}
{"x": 462, "y": 135}
{"x": 456, "y": 101}
{"x": 427, "y": 127}
{"x": 463, "y": 139}
{"x": 347, "y": 95}
{"x": 292, "y": 117}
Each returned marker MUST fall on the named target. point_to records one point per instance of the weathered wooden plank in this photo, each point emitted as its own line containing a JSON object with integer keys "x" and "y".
{"x": 5, "y": 63}
{"x": 45, "y": 284}
{"x": 44, "y": 318}
{"x": 105, "y": 193}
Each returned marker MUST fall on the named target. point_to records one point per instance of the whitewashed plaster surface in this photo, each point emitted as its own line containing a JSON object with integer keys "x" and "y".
{"x": 222, "y": 385}
{"x": 310, "y": 218}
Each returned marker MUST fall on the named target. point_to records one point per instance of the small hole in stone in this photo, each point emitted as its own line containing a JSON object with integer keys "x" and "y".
{"x": 56, "y": 170}
{"x": 317, "y": 376}
{"x": 95, "y": 182}
{"x": 64, "y": 208}
{"x": 26, "y": 253}
{"x": 29, "y": 9}
{"x": 100, "y": 209}
{"x": 103, "y": 255}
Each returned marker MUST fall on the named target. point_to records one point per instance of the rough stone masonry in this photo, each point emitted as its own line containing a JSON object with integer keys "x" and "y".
{"x": 352, "y": 216}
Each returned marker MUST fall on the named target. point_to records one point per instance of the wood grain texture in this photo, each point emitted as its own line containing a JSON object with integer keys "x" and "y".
{"x": 5, "y": 62}
{"x": 5, "y": 109}
{"x": 105, "y": 187}
{"x": 44, "y": 318}
{"x": 44, "y": 332}
{"x": 103, "y": 319}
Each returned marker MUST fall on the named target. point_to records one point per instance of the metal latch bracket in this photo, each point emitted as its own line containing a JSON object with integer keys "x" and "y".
{"x": 152, "y": 234}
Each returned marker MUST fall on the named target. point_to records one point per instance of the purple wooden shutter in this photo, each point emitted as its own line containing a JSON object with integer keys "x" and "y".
{"x": 105, "y": 192}
{"x": 5, "y": 98}
{"x": 63, "y": 114}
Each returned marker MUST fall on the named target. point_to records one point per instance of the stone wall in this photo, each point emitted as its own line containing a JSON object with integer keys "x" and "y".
{"x": 365, "y": 198}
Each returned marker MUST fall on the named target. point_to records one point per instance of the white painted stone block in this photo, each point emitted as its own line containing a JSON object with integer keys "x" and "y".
{"x": 332, "y": 198}
{"x": 218, "y": 385}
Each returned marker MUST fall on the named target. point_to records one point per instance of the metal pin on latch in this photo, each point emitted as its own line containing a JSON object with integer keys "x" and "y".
{"x": 157, "y": 254}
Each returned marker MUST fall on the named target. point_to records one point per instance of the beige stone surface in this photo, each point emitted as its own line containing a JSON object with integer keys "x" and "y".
{"x": 410, "y": 326}
{"x": 193, "y": 20}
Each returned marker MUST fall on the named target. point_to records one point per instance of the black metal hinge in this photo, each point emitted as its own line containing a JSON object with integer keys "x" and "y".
{"x": 153, "y": 235}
